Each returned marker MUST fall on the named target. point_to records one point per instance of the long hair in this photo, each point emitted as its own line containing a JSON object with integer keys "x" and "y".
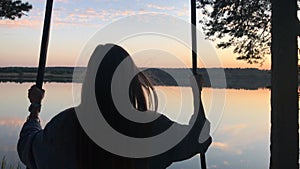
{"x": 142, "y": 96}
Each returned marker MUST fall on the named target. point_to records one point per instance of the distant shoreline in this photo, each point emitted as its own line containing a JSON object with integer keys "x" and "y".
{"x": 236, "y": 78}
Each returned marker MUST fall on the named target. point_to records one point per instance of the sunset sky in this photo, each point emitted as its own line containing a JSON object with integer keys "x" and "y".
{"x": 74, "y": 22}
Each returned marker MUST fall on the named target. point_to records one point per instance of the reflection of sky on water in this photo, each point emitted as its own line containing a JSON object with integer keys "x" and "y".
{"x": 9, "y": 129}
{"x": 242, "y": 137}
{"x": 13, "y": 112}
{"x": 240, "y": 141}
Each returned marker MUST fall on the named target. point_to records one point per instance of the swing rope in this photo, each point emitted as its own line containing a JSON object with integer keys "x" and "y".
{"x": 44, "y": 44}
{"x": 194, "y": 61}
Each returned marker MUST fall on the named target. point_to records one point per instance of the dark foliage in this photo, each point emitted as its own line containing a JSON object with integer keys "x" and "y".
{"x": 244, "y": 25}
{"x": 12, "y": 9}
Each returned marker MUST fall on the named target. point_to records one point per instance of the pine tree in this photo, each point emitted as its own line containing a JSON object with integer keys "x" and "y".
{"x": 255, "y": 28}
{"x": 12, "y": 9}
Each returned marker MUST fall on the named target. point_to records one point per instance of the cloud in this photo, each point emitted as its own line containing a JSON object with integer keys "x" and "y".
{"x": 183, "y": 11}
{"x": 226, "y": 163}
{"x": 29, "y": 23}
{"x": 212, "y": 166}
{"x": 158, "y": 7}
{"x": 11, "y": 122}
{"x": 91, "y": 10}
{"x": 93, "y": 16}
{"x": 220, "y": 145}
{"x": 33, "y": 20}
{"x": 64, "y": 1}
{"x": 231, "y": 148}
{"x": 41, "y": 1}
{"x": 63, "y": 17}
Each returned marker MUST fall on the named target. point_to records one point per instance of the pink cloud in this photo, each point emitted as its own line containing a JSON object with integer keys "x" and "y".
{"x": 62, "y": 17}
{"x": 220, "y": 145}
{"x": 11, "y": 122}
{"x": 24, "y": 23}
{"x": 183, "y": 11}
{"x": 160, "y": 7}
{"x": 226, "y": 147}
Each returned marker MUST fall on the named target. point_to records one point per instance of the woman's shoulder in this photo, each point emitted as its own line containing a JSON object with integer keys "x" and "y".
{"x": 63, "y": 119}
{"x": 65, "y": 114}
{"x": 62, "y": 127}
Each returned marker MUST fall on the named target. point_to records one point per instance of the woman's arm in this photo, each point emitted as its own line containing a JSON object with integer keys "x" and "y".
{"x": 196, "y": 141}
{"x": 51, "y": 147}
{"x": 30, "y": 128}
{"x": 198, "y": 138}
{"x": 189, "y": 146}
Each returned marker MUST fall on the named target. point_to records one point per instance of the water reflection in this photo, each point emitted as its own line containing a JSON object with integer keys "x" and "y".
{"x": 240, "y": 141}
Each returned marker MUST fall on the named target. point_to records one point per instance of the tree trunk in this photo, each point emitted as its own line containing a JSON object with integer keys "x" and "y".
{"x": 284, "y": 95}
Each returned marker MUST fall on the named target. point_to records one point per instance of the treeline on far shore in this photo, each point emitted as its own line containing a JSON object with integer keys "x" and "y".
{"x": 28, "y": 74}
{"x": 237, "y": 78}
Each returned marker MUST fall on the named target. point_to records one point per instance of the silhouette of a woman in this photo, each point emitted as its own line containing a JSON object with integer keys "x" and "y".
{"x": 63, "y": 144}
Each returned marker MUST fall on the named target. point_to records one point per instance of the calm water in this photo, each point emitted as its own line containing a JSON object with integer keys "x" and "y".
{"x": 241, "y": 131}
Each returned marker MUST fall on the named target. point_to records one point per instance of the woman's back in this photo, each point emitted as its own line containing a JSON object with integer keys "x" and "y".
{"x": 64, "y": 144}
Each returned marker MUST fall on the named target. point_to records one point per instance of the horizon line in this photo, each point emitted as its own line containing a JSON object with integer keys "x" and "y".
{"x": 140, "y": 67}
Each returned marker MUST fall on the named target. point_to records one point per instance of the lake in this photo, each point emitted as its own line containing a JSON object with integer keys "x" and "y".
{"x": 240, "y": 130}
